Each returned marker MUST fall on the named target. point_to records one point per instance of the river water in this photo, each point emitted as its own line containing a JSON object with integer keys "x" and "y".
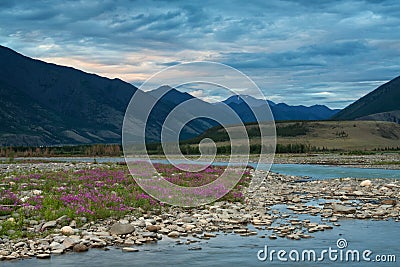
{"x": 382, "y": 238}
{"x": 313, "y": 171}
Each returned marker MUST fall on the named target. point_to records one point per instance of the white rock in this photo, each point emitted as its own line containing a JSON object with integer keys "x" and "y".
{"x": 366, "y": 183}
{"x": 127, "y": 249}
{"x": 174, "y": 234}
{"x": 49, "y": 224}
{"x": 67, "y": 230}
{"x": 43, "y": 256}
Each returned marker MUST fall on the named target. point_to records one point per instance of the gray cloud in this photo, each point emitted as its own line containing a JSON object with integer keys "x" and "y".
{"x": 295, "y": 48}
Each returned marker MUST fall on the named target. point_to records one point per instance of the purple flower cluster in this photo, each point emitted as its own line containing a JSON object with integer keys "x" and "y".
{"x": 102, "y": 192}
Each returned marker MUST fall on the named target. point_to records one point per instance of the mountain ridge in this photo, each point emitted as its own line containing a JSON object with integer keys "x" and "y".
{"x": 385, "y": 98}
{"x": 47, "y": 104}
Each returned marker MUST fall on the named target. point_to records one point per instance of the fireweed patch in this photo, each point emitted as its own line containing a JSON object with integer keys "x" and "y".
{"x": 93, "y": 193}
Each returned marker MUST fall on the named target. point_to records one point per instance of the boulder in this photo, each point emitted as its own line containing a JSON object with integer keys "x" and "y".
{"x": 50, "y": 224}
{"x": 67, "y": 230}
{"x": 338, "y": 208}
{"x": 122, "y": 229}
{"x": 80, "y": 248}
{"x": 43, "y": 256}
{"x": 153, "y": 228}
{"x": 366, "y": 183}
{"x": 174, "y": 234}
{"x": 70, "y": 242}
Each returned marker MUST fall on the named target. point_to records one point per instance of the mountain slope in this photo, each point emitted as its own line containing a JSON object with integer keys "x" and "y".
{"x": 44, "y": 103}
{"x": 385, "y": 98}
{"x": 48, "y": 104}
{"x": 336, "y": 135}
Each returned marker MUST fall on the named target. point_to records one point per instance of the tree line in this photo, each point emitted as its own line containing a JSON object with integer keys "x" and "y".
{"x": 53, "y": 151}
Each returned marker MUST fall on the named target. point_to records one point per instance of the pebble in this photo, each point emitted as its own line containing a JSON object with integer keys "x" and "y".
{"x": 43, "y": 256}
{"x": 128, "y": 249}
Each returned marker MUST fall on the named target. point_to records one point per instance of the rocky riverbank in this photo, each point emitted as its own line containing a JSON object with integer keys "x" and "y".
{"x": 381, "y": 161}
{"x": 283, "y": 207}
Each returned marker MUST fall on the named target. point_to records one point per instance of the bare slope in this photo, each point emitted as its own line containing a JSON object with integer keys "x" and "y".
{"x": 342, "y": 135}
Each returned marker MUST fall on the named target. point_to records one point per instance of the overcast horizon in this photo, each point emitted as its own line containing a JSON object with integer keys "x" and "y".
{"x": 298, "y": 52}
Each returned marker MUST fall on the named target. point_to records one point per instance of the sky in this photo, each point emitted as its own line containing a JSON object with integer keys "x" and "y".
{"x": 306, "y": 52}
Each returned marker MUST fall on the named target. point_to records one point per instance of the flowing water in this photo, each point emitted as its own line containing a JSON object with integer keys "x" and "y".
{"x": 380, "y": 237}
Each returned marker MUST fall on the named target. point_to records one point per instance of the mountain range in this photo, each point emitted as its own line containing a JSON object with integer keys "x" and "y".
{"x": 47, "y": 104}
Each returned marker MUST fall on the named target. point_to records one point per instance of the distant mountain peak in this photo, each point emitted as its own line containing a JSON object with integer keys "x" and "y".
{"x": 250, "y": 100}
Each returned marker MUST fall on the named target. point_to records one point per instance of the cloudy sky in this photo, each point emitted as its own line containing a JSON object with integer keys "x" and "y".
{"x": 298, "y": 52}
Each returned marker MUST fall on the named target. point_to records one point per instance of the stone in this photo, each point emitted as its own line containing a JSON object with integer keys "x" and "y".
{"x": 102, "y": 233}
{"x": 392, "y": 185}
{"x": 149, "y": 234}
{"x": 122, "y": 228}
{"x": 36, "y": 192}
{"x": 80, "y": 248}
{"x": 174, "y": 234}
{"x": 62, "y": 219}
{"x": 358, "y": 193}
{"x": 392, "y": 202}
{"x": 127, "y": 249}
{"x": 187, "y": 219}
{"x": 50, "y": 224}
{"x": 19, "y": 244}
{"x": 366, "y": 183}
{"x": 189, "y": 227}
{"x": 67, "y": 230}
{"x": 153, "y": 228}
{"x": 296, "y": 200}
{"x": 343, "y": 209}
{"x": 70, "y": 242}
{"x": 209, "y": 235}
{"x": 56, "y": 246}
{"x": 383, "y": 188}
{"x": 57, "y": 251}
{"x": 33, "y": 222}
{"x": 43, "y": 256}
{"x": 333, "y": 219}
